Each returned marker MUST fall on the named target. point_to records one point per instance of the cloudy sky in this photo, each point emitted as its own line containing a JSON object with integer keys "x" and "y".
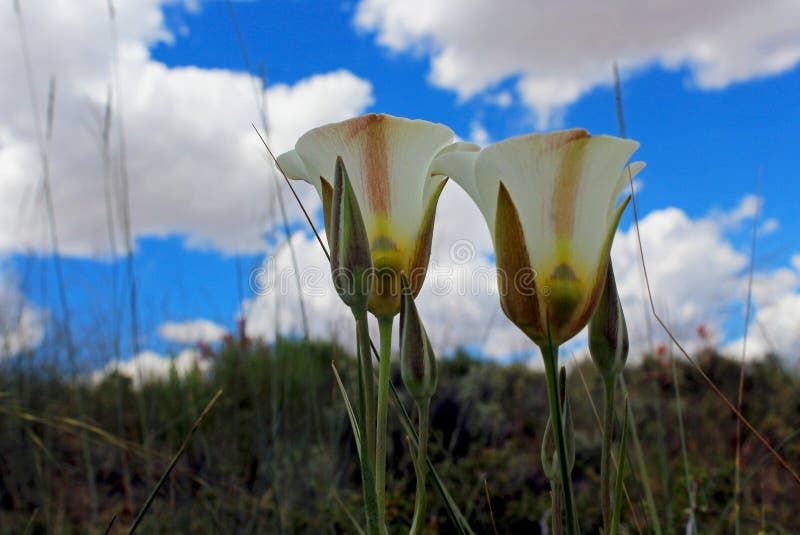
{"x": 711, "y": 92}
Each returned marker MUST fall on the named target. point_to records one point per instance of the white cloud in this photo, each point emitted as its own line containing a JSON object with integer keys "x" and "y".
{"x": 276, "y": 307}
{"x": 478, "y": 134}
{"x": 504, "y": 99}
{"x": 192, "y": 331}
{"x": 196, "y": 168}
{"x": 694, "y": 272}
{"x": 775, "y": 321}
{"x": 558, "y": 51}
{"x": 21, "y": 323}
{"x": 148, "y": 366}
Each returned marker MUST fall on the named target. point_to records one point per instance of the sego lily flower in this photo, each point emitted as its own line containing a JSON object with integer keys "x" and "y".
{"x": 551, "y": 204}
{"x": 388, "y": 161}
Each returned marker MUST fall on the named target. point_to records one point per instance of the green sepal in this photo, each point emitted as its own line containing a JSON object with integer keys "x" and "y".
{"x": 351, "y": 259}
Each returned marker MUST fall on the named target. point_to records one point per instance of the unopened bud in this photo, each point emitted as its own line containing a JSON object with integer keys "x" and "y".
{"x": 417, "y": 360}
{"x": 351, "y": 261}
{"x": 608, "y": 334}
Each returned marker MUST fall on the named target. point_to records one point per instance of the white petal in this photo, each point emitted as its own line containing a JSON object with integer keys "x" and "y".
{"x": 436, "y": 178}
{"x": 460, "y": 167}
{"x": 292, "y": 166}
{"x": 528, "y": 166}
{"x": 601, "y": 181}
{"x": 562, "y": 184}
{"x": 627, "y": 175}
{"x": 387, "y": 159}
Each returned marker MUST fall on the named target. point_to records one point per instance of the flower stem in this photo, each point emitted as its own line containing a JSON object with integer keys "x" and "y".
{"x": 417, "y": 525}
{"x": 365, "y": 357}
{"x": 550, "y": 356}
{"x": 366, "y": 431}
{"x": 605, "y": 461}
{"x": 556, "y": 520}
{"x": 384, "y": 375}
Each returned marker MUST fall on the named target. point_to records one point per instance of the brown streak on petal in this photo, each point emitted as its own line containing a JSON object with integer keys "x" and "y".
{"x": 565, "y": 192}
{"x": 521, "y": 305}
{"x": 558, "y": 140}
{"x": 374, "y": 159}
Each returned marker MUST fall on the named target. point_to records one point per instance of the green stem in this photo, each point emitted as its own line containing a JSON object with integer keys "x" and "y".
{"x": 550, "y": 356}
{"x": 605, "y": 461}
{"x": 556, "y": 520}
{"x": 384, "y": 375}
{"x": 369, "y": 381}
{"x": 417, "y": 525}
{"x": 366, "y": 429}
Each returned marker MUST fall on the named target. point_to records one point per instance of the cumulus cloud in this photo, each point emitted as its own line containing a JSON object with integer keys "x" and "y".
{"x": 192, "y": 331}
{"x": 195, "y": 166}
{"x": 276, "y": 307}
{"x": 695, "y": 276}
{"x": 148, "y": 366}
{"x": 558, "y": 51}
{"x": 775, "y": 323}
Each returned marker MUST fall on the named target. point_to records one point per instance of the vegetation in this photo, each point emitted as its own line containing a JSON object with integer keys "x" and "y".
{"x": 276, "y": 454}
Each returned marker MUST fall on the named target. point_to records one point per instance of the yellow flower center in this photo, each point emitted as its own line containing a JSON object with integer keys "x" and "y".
{"x": 389, "y": 258}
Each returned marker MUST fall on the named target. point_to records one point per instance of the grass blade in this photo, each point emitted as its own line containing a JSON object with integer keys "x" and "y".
{"x": 174, "y": 461}
{"x": 350, "y": 414}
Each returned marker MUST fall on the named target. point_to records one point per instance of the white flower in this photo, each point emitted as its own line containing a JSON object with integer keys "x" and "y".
{"x": 550, "y": 201}
{"x": 388, "y": 161}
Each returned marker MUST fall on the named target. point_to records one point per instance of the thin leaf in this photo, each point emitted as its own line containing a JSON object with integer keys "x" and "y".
{"x": 350, "y": 414}
{"x": 348, "y": 514}
{"x": 174, "y": 461}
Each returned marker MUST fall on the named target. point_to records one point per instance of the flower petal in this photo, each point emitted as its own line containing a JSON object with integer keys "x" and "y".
{"x": 625, "y": 177}
{"x": 291, "y": 165}
{"x": 460, "y": 167}
{"x": 598, "y": 195}
{"x": 596, "y": 283}
{"x": 388, "y": 160}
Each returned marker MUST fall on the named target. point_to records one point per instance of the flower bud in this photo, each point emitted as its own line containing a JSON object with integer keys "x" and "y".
{"x": 351, "y": 261}
{"x": 417, "y": 360}
{"x": 549, "y": 448}
{"x": 608, "y": 334}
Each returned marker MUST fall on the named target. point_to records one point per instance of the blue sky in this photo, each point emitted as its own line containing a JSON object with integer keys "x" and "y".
{"x": 710, "y": 111}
